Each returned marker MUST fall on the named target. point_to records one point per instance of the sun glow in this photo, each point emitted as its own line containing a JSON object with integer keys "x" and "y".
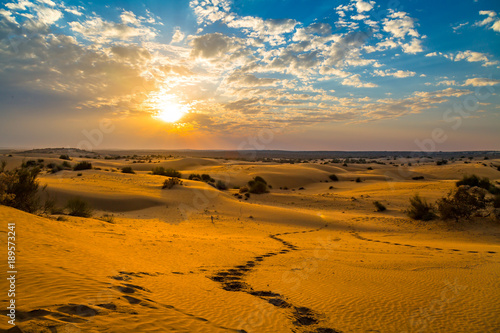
{"x": 170, "y": 112}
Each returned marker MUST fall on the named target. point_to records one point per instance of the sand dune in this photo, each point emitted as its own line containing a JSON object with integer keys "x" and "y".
{"x": 318, "y": 259}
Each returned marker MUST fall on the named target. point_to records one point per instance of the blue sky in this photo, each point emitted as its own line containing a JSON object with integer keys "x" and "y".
{"x": 317, "y": 75}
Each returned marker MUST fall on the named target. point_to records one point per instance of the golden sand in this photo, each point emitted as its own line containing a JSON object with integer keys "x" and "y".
{"x": 310, "y": 260}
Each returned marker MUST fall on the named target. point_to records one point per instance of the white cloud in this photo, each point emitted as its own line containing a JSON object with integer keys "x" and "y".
{"x": 73, "y": 11}
{"x": 399, "y": 24}
{"x": 492, "y": 21}
{"x": 433, "y": 54}
{"x": 355, "y": 81}
{"x": 447, "y": 83}
{"x": 364, "y": 6}
{"x": 397, "y": 74}
{"x": 472, "y": 56}
{"x": 98, "y": 30}
{"x": 48, "y": 16}
{"x": 459, "y": 26}
{"x": 209, "y": 11}
{"x": 8, "y": 16}
{"x": 178, "y": 35}
{"x": 448, "y": 92}
{"x": 415, "y": 46}
{"x": 128, "y": 17}
{"x": 481, "y": 82}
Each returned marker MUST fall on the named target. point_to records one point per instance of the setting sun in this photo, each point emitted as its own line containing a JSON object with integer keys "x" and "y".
{"x": 171, "y": 112}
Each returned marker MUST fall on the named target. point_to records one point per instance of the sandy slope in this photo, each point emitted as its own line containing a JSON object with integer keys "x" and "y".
{"x": 311, "y": 260}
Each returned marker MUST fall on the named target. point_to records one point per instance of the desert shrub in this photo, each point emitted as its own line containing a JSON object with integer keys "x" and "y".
{"x": 82, "y": 166}
{"x": 128, "y": 169}
{"x": 79, "y": 207}
{"x": 171, "y": 182}
{"x": 206, "y": 178}
{"x": 461, "y": 203}
{"x": 474, "y": 180}
{"x": 220, "y": 185}
{"x": 345, "y": 164}
{"x": 247, "y": 195}
{"x": 66, "y": 165}
{"x": 19, "y": 188}
{"x": 380, "y": 207}
{"x": 442, "y": 162}
{"x": 64, "y": 157}
{"x": 358, "y": 180}
{"x": 257, "y": 185}
{"x": 498, "y": 168}
{"x": 418, "y": 177}
{"x": 420, "y": 210}
{"x": 169, "y": 172}
{"x": 50, "y": 207}
{"x": 334, "y": 178}
{"x": 260, "y": 179}
{"x": 243, "y": 189}
{"x": 369, "y": 168}
{"x": 194, "y": 176}
{"x": 54, "y": 168}
{"x": 29, "y": 164}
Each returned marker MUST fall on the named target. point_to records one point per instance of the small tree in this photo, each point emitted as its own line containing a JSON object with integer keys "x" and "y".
{"x": 461, "y": 203}
{"x": 19, "y": 188}
{"x": 258, "y": 185}
{"x": 420, "y": 210}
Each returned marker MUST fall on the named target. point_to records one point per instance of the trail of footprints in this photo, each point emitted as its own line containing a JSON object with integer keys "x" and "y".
{"x": 356, "y": 235}
{"x": 231, "y": 279}
{"x": 57, "y": 315}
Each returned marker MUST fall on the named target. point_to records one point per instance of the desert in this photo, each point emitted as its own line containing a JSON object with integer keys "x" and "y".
{"x": 314, "y": 257}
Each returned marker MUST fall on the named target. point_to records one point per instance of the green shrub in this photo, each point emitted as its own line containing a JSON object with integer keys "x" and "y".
{"x": 79, "y": 207}
{"x": 82, "y": 166}
{"x": 128, "y": 169}
{"x": 169, "y": 172}
{"x": 460, "y": 204}
{"x": 64, "y": 157}
{"x": 420, "y": 210}
{"x": 334, "y": 178}
{"x": 380, "y": 207}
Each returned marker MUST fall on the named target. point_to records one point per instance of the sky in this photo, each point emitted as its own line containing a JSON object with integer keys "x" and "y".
{"x": 413, "y": 75}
